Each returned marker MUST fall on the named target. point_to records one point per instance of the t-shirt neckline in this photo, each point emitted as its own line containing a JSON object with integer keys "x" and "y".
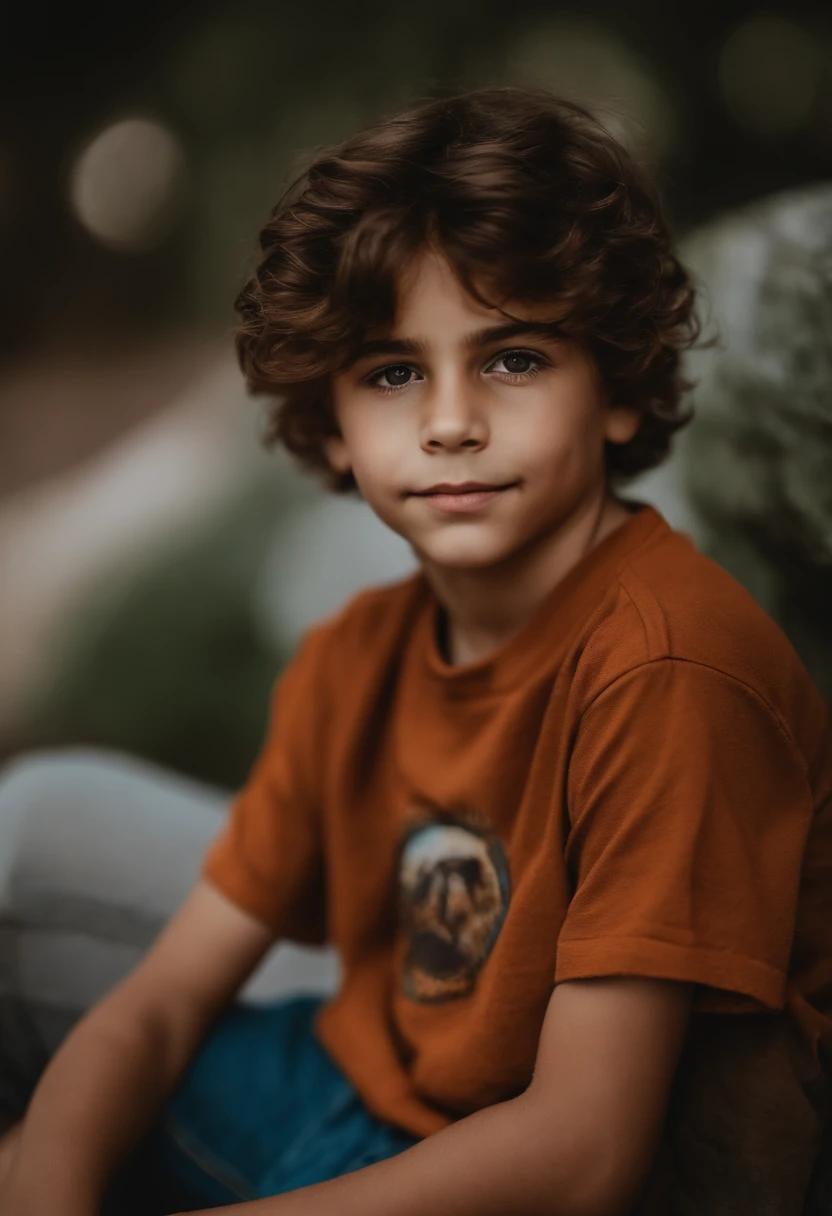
{"x": 547, "y": 630}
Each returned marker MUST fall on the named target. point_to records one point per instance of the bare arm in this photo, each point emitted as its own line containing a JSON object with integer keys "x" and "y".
{"x": 103, "y": 1087}
{"x": 578, "y": 1142}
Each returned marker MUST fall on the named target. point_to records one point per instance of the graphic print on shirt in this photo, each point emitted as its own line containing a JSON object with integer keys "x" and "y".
{"x": 453, "y": 896}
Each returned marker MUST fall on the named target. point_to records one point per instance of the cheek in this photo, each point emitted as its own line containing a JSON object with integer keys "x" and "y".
{"x": 377, "y": 447}
{"x": 564, "y": 437}
{"x": 372, "y": 447}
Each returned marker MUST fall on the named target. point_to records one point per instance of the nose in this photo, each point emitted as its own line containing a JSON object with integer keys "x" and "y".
{"x": 452, "y": 418}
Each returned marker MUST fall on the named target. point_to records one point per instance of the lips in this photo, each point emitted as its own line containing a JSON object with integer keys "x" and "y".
{"x": 462, "y": 487}
{"x": 463, "y": 497}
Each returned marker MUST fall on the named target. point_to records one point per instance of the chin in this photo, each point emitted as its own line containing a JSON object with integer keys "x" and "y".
{"x": 462, "y": 552}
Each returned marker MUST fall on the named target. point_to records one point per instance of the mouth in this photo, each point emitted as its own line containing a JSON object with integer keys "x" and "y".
{"x": 457, "y": 497}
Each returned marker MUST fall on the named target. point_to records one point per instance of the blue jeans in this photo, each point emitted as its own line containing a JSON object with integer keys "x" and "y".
{"x": 263, "y": 1109}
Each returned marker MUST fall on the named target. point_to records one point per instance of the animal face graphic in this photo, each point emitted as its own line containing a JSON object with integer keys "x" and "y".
{"x": 453, "y": 889}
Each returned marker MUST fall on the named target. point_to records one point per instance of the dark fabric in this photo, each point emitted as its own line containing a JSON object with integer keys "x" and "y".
{"x": 23, "y": 1057}
{"x": 747, "y": 1133}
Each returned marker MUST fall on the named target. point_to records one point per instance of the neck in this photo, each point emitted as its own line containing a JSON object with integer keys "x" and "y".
{"x": 484, "y": 607}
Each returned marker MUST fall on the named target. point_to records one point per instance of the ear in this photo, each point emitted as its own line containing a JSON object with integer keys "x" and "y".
{"x": 337, "y": 454}
{"x": 621, "y": 424}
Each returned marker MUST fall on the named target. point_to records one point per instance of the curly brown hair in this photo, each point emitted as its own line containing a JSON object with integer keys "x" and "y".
{"x": 529, "y": 198}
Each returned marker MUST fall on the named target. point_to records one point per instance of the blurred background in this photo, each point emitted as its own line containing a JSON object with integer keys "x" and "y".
{"x": 156, "y": 565}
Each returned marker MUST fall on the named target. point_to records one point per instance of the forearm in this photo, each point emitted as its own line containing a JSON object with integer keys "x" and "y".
{"x": 94, "y": 1102}
{"x": 514, "y": 1157}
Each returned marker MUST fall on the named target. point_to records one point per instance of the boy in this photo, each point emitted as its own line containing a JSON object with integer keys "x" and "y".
{"x": 560, "y": 799}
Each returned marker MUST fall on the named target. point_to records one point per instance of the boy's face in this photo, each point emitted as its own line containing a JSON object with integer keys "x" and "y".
{"x": 472, "y": 445}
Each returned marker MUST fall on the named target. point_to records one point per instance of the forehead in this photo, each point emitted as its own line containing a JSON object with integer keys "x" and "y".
{"x": 428, "y": 275}
{"x": 430, "y": 290}
{"x": 434, "y": 310}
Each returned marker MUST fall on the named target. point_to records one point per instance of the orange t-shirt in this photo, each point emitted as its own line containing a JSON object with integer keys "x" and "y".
{"x": 626, "y": 787}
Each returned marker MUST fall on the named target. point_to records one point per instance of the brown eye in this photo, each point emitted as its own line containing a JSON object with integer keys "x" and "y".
{"x": 517, "y": 362}
{"x": 395, "y": 375}
{"x": 398, "y": 375}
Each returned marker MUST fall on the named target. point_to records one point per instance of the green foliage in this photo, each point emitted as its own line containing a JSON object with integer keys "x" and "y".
{"x": 759, "y": 454}
{"x": 170, "y": 665}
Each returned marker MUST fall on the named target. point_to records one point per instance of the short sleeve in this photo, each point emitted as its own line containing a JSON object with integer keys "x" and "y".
{"x": 689, "y": 810}
{"x": 268, "y": 857}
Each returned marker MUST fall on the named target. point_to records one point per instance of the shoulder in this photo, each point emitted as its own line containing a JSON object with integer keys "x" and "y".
{"x": 339, "y": 659}
{"x": 671, "y": 605}
{"x": 368, "y": 625}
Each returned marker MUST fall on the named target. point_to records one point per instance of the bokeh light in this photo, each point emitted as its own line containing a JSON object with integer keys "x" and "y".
{"x": 590, "y": 64}
{"x": 127, "y": 184}
{"x": 769, "y": 73}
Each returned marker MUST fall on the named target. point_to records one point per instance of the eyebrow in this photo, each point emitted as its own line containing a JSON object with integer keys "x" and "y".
{"x": 480, "y": 337}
